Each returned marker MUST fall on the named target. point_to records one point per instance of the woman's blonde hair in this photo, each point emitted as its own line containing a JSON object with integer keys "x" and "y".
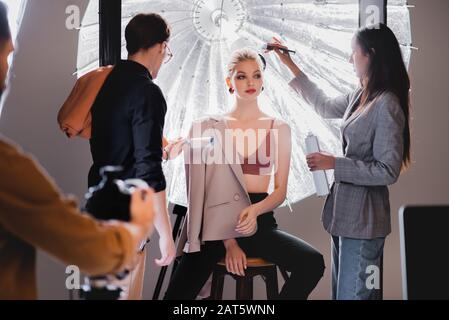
{"x": 241, "y": 55}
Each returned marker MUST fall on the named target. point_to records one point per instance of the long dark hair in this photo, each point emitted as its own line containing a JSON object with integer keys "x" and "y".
{"x": 387, "y": 72}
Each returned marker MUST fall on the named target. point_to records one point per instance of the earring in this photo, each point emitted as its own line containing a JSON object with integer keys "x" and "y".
{"x": 231, "y": 90}
{"x": 263, "y": 88}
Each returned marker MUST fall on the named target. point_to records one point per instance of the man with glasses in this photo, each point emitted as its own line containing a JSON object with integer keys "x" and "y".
{"x": 127, "y": 125}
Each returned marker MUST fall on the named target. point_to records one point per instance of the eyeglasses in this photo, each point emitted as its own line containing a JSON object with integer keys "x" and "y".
{"x": 168, "y": 54}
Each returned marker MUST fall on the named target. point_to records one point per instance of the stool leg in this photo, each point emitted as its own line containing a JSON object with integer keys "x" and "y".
{"x": 284, "y": 274}
{"x": 244, "y": 288}
{"x": 249, "y": 288}
{"x": 271, "y": 282}
{"x": 216, "y": 291}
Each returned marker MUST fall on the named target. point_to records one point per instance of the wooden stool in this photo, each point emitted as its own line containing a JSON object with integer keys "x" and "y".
{"x": 244, "y": 285}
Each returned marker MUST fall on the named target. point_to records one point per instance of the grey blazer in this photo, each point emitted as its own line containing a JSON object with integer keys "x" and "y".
{"x": 372, "y": 140}
{"x": 216, "y": 191}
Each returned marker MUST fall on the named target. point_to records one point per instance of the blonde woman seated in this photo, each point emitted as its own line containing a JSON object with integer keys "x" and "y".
{"x": 230, "y": 213}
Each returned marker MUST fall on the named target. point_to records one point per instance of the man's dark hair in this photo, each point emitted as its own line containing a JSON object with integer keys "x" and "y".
{"x": 5, "y": 32}
{"x": 144, "y": 31}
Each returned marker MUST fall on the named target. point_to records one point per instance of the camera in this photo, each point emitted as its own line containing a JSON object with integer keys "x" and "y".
{"x": 109, "y": 200}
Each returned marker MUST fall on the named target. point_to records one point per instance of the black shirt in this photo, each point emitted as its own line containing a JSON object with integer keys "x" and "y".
{"x": 127, "y": 126}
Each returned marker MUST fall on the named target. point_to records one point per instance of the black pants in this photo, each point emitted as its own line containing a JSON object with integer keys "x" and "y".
{"x": 304, "y": 262}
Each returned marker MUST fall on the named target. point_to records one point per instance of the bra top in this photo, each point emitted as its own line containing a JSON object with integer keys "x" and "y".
{"x": 254, "y": 167}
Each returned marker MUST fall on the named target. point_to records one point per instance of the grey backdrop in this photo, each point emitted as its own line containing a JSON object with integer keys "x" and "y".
{"x": 42, "y": 78}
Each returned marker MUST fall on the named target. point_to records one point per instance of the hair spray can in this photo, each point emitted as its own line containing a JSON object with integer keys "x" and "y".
{"x": 319, "y": 177}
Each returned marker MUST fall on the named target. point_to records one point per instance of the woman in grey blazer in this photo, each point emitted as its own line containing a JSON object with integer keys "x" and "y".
{"x": 376, "y": 146}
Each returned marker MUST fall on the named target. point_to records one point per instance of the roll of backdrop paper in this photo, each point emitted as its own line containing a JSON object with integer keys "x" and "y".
{"x": 319, "y": 177}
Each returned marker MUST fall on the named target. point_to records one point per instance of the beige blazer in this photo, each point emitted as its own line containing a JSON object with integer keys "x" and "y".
{"x": 216, "y": 192}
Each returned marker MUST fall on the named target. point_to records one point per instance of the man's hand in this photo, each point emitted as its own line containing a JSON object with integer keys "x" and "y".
{"x": 168, "y": 251}
{"x": 173, "y": 149}
{"x": 163, "y": 227}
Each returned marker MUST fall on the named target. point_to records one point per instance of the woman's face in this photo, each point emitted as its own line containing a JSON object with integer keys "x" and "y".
{"x": 360, "y": 60}
{"x": 247, "y": 80}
